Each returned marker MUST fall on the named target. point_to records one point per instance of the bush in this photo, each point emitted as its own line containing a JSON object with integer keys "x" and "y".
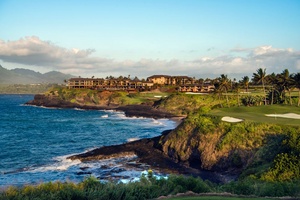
{"x": 252, "y": 100}
{"x": 261, "y": 188}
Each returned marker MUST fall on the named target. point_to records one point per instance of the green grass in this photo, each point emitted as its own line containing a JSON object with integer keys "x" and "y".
{"x": 217, "y": 198}
{"x": 257, "y": 113}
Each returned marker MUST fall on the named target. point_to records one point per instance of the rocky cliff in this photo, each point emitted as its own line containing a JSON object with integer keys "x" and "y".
{"x": 205, "y": 142}
{"x": 201, "y": 142}
{"x": 99, "y": 101}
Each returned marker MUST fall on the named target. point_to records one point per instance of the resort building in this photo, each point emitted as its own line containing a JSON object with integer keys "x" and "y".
{"x": 181, "y": 83}
{"x": 109, "y": 84}
{"x": 170, "y": 80}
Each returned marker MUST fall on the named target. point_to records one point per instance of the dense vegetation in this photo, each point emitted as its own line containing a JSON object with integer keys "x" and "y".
{"x": 25, "y": 88}
{"x": 101, "y": 98}
{"x": 147, "y": 188}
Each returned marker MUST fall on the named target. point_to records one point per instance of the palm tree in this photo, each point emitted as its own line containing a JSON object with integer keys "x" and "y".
{"x": 286, "y": 82}
{"x": 236, "y": 87}
{"x": 259, "y": 77}
{"x": 225, "y": 83}
{"x": 296, "y": 78}
{"x": 272, "y": 80}
{"x": 217, "y": 90}
{"x": 245, "y": 82}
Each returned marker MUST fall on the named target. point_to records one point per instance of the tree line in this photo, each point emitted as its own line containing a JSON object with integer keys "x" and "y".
{"x": 274, "y": 86}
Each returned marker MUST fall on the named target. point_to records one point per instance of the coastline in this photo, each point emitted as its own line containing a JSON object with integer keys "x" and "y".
{"x": 141, "y": 110}
{"x": 148, "y": 151}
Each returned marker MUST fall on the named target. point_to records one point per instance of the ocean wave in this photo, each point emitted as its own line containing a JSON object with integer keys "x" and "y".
{"x": 44, "y": 107}
{"x": 132, "y": 139}
{"x": 80, "y": 109}
{"x": 61, "y": 163}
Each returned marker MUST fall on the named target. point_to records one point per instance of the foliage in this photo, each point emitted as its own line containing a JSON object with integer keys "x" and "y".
{"x": 245, "y": 82}
{"x": 286, "y": 166}
{"x": 91, "y": 188}
{"x": 256, "y": 187}
{"x": 94, "y": 97}
{"x": 252, "y": 100}
{"x": 183, "y": 104}
{"x": 25, "y": 89}
{"x": 259, "y": 77}
{"x": 151, "y": 188}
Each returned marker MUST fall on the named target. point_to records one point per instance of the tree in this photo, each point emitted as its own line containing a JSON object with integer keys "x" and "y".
{"x": 216, "y": 83}
{"x": 286, "y": 83}
{"x": 236, "y": 87}
{"x": 259, "y": 77}
{"x": 245, "y": 82}
{"x": 296, "y": 78}
{"x": 272, "y": 79}
{"x": 225, "y": 83}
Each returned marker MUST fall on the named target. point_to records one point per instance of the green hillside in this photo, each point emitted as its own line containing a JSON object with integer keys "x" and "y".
{"x": 26, "y": 76}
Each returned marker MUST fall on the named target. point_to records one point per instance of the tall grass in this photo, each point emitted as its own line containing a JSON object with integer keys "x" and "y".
{"x": 147, "y": 188}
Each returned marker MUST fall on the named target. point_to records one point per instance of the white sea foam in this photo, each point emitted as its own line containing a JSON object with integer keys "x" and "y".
{"x": 108, "y": 111}
{"x": 104, "y": 116}
{"x": 132, "y": 139}
{"x": 61, "y": 163}
{"x": 49, "y": 108}
{"x": 79, "y": 109}
{"x": 154, "y": 121}
{"x": 120, "y": 115}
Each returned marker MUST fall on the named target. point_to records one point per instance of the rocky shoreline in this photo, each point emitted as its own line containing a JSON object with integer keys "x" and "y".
{"x": 148, "y": 151}
{"x": 142, "y": 110}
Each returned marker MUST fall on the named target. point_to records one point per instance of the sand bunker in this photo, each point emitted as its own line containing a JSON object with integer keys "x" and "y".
{"x": 231, "y": 119}
{"x": 287, "y": 115}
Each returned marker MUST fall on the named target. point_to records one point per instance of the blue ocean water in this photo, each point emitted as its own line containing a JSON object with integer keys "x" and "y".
{"x": 35, "y": 142}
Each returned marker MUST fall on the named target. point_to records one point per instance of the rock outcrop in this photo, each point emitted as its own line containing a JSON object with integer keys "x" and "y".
{"x": 148, "y": 151}
{"x": 200, "y": 145}
{"x": 141, "y": 110}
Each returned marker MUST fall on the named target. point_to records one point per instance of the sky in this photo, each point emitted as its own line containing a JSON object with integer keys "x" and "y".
{"x": 198, "y": 38}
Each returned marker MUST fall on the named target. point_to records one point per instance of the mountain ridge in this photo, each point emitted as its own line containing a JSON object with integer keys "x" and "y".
{"x": 27, "y": 76}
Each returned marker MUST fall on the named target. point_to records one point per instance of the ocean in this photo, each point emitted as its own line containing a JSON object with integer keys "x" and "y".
{"x": 35, "y": 142}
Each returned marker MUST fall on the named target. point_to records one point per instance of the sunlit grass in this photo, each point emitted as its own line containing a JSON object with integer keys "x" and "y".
{"x": 216, "y": 198}
{"x": 258, "y": 113}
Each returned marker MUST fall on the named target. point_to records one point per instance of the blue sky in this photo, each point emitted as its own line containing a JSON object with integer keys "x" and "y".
{"x": 176, "y": 37}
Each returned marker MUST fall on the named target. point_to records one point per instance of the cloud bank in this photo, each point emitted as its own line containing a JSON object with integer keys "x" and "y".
{"x": 33, "y": 51}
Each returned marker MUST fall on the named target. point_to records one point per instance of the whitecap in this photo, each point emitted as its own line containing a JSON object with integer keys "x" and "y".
{"x": 80, "y": 109}
{"x": 104, "y": 116}
{"x": 61, "y": 163}
{"x": 132, "y": 139}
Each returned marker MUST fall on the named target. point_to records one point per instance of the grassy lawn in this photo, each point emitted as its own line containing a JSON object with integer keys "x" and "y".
{"x": 217, "y": 198}
{"x": 153, "y": 94}
{"x": 257, "y": 113}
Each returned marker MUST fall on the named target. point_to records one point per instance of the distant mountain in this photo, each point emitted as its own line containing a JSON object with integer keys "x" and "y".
{"x": 26, "y": 76}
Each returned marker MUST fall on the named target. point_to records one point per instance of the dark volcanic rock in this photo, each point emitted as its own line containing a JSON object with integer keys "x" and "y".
{"x": 144, "y": 111}
{"x": 141, "y": 110}
{"x": 149, "y": 151}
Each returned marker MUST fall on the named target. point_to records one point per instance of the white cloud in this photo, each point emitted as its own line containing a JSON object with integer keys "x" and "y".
{"x": 33, "y": 51}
